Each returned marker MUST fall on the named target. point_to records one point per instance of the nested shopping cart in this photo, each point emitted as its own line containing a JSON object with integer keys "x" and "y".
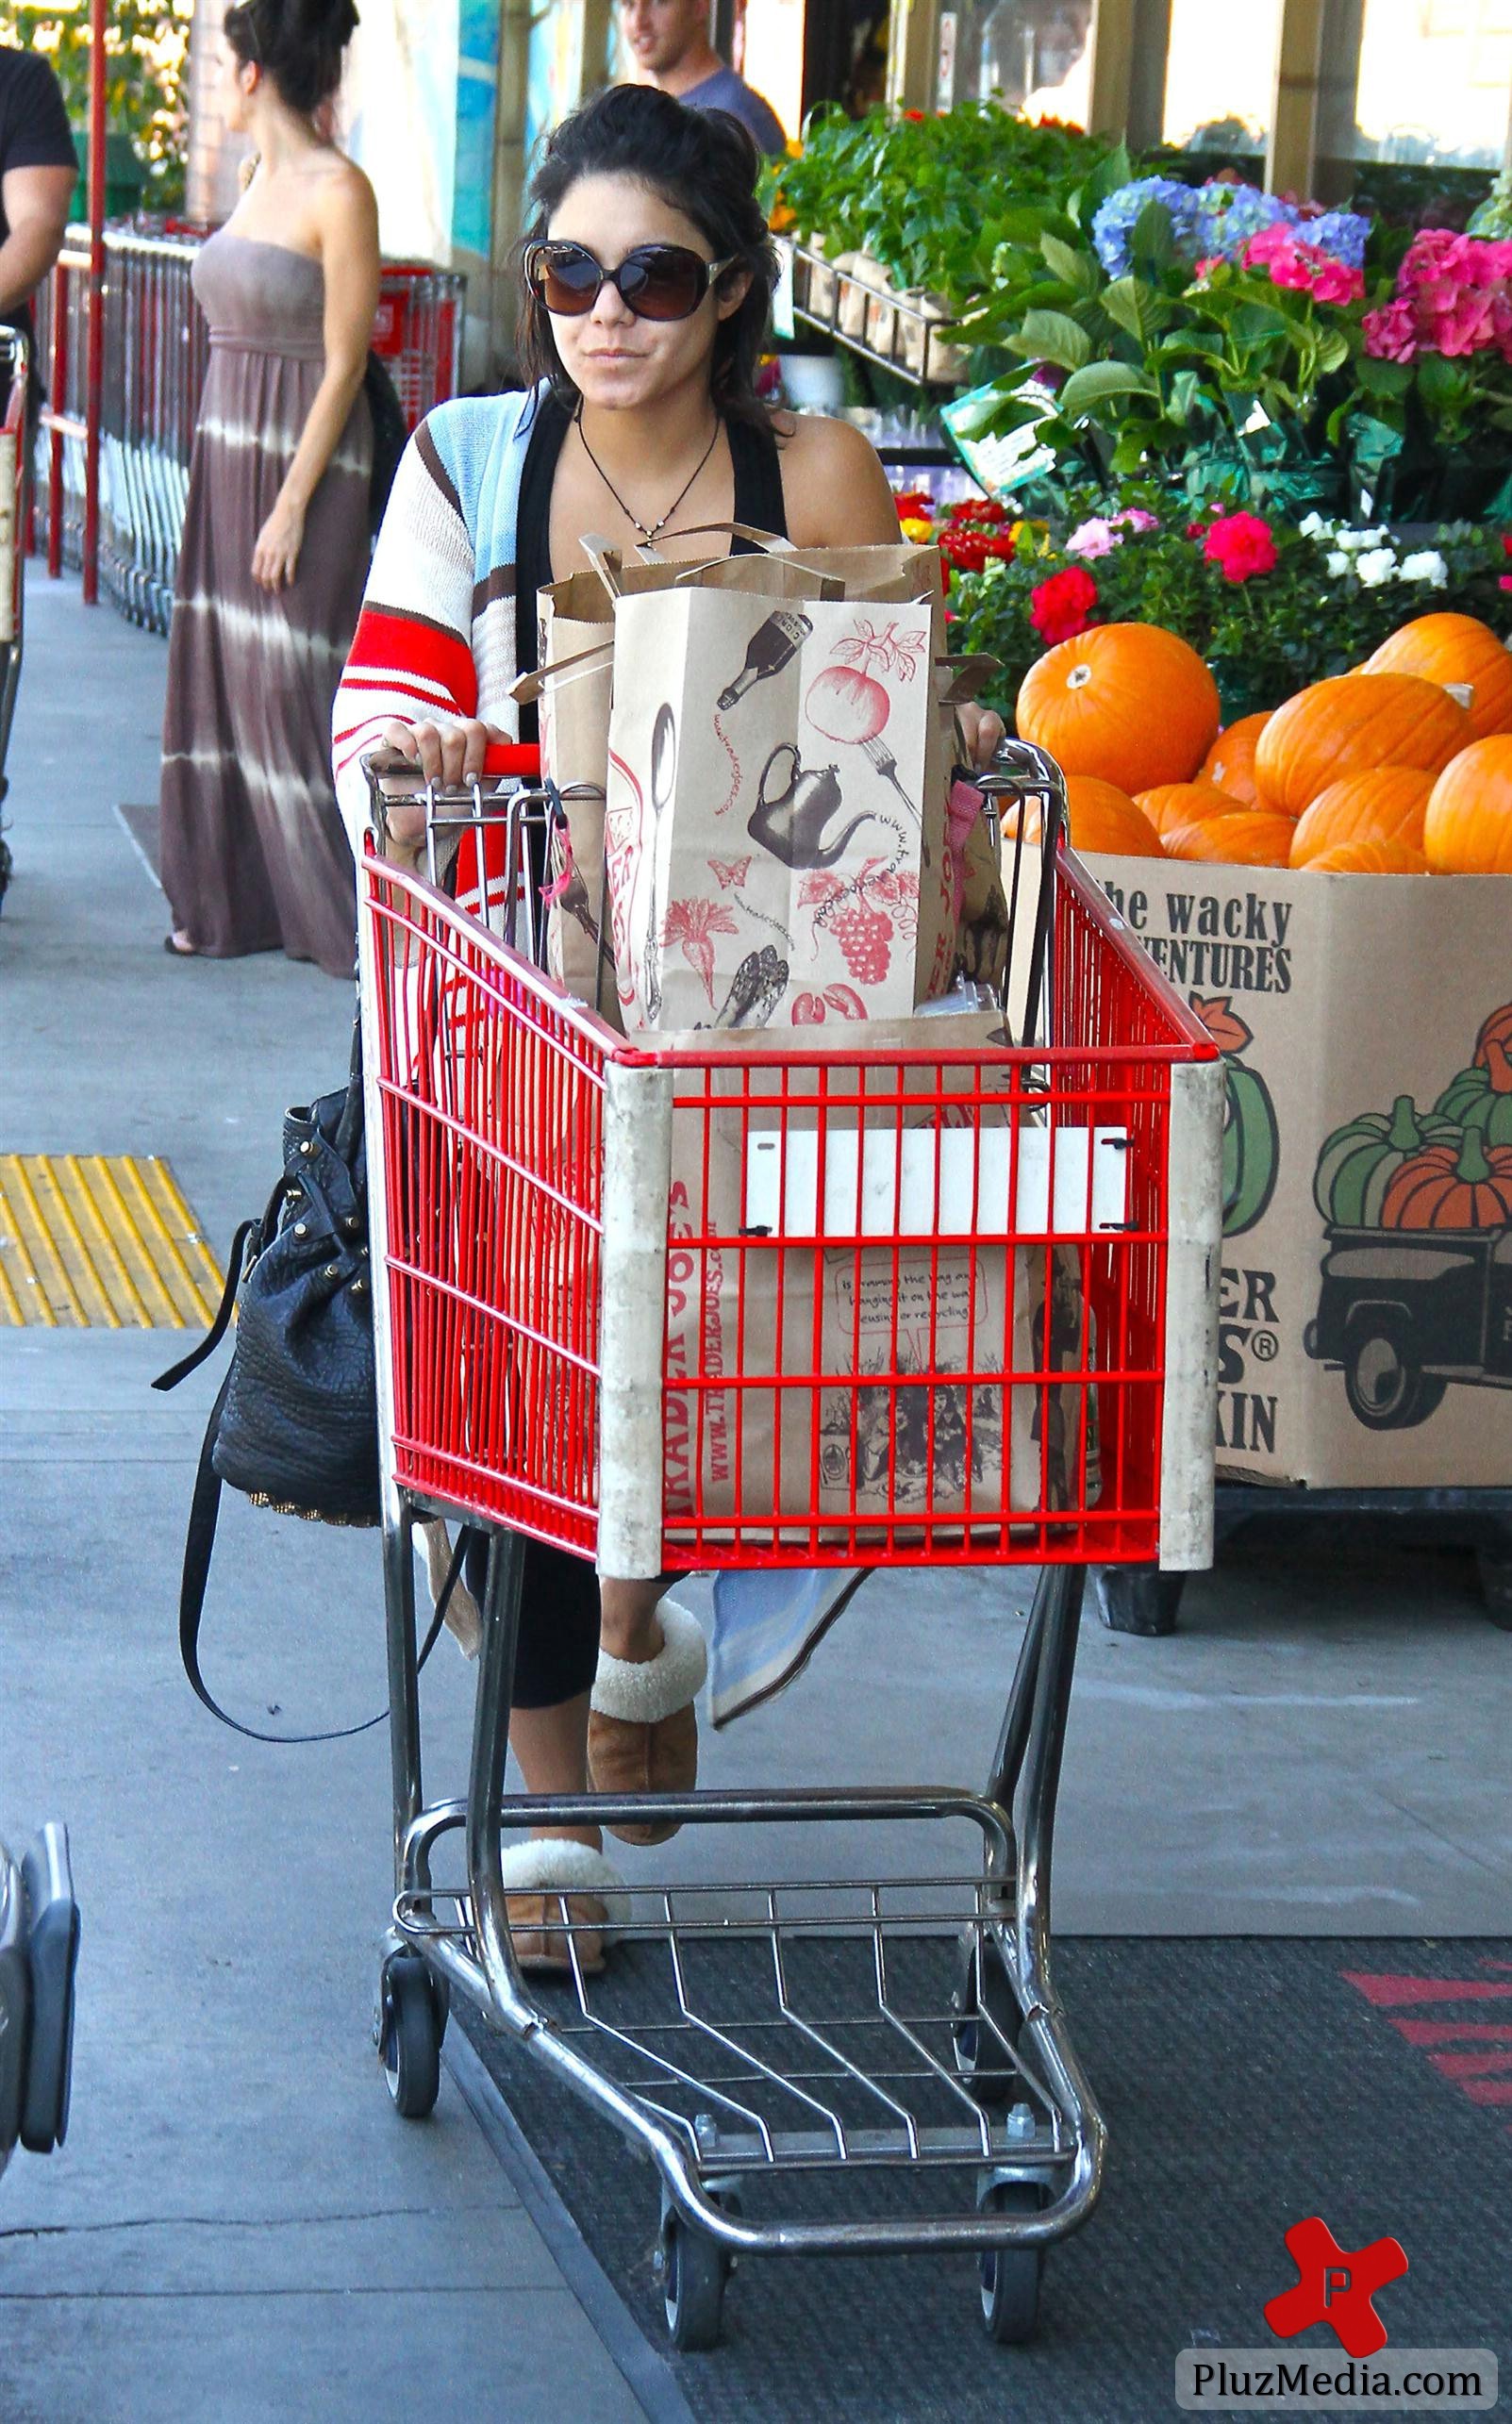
{"x": 785, "y": 1300}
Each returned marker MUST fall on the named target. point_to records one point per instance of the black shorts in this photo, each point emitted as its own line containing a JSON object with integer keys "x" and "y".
{"x": 557, "y": 1651}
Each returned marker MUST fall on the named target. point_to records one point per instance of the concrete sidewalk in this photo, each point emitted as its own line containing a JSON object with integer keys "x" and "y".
{"x": 238, "y": 2227}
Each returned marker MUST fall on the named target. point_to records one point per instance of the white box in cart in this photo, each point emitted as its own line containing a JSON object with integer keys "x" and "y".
{"x": 1352, "y": 1353}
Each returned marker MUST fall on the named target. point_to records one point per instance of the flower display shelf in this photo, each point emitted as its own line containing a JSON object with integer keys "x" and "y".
{"x": 853, "y": 299}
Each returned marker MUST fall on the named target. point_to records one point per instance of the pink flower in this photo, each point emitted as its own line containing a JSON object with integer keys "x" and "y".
{"x": 1093, "y": 538}
{"x": 1134, "y": 517}
{"x": 1241, "y": 543}
{"x": 1268, "y": 244}
{"x": 1391, "y": 334}
{"x": 1336, "y": 282}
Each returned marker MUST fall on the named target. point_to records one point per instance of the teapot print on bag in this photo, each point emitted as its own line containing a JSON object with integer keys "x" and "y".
{"x": 797, "y": 821}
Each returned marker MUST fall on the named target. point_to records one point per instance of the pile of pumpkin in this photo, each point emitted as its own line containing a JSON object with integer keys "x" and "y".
{"x": 1449, "y": 1167}
{"x": 1404, "y": 767}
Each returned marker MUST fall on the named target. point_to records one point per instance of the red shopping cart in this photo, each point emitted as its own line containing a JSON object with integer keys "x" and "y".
{"x": 724, "y": 1302}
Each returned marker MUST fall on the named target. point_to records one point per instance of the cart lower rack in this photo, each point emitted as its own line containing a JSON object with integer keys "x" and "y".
{"x": 725, "y": 1301}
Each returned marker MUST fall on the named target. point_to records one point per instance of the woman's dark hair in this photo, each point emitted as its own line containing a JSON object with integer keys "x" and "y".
{"x": 702, "y": 162}
{"x": 300, "y": 43}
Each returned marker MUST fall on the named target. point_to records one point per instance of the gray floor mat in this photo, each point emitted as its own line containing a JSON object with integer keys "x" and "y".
{"x": 1247, "y": 2084}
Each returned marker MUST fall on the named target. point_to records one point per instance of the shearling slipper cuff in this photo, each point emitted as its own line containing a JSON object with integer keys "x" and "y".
{"x": 555, "y": 1865}
{"x": 643, "y": 1692}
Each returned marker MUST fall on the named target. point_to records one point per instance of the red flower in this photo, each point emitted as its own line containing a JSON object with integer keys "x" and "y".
{"x": 1062, "y": 607}
{"x": 1507, "y": 543}
{"x": 914, "y": 505}
{"x": 915, "y": 117}
{"x": 1242, "y": 545}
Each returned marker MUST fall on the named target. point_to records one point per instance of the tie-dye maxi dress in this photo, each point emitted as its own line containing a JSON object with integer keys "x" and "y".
{"x": 254, "y": 856}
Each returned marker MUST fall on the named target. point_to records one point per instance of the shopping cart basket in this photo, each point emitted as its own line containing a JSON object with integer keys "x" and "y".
{"x": 619, "y": 1291}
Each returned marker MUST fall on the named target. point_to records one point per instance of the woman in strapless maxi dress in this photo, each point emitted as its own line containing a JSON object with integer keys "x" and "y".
{"x": 253, "y": 854}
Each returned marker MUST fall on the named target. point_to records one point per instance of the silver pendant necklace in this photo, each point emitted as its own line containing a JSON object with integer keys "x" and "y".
{"x": 648, "y": 534}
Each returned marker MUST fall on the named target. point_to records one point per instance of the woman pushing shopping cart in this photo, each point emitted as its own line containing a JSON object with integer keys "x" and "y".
{"x": 743, "y": 1296}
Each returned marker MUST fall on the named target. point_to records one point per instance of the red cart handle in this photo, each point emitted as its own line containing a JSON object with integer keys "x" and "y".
{"x": 513, "y": 757}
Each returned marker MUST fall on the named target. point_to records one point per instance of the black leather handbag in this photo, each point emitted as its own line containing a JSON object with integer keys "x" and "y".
{"x": 295, "y": 1426}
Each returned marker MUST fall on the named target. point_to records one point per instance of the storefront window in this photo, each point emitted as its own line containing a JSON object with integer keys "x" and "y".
{"x": 1029, "y": 55}
{"x": 1434, "y": 78}
{"x": 1221, "y": 75}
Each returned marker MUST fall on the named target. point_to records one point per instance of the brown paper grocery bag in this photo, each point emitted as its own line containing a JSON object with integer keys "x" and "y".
{"x": 776, "y": 811}
{"x": 939, "y": 1435}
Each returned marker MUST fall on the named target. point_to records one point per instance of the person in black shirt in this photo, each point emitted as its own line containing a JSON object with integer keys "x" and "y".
{"x": 38, "y": 172}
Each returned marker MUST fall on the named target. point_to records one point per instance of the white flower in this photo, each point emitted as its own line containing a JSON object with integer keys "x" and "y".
{"x": 1377, "y": 564}
{"x": 1312, "y": 525}
{"x": 1428, "y": 565}
{"x": 1339, "y": 564}
{"x": 1354, "y": 539}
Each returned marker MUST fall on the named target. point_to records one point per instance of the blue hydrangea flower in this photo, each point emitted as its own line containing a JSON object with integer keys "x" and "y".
{"x": 1114, "y": 220}
{"x": 1341, "y": 234}
{"x": 1228, "y": 215}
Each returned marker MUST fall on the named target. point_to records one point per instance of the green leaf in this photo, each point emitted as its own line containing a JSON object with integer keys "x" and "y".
{"x": 1383, "y": 379}
{"x": 1153, "y": 239}
{"x": 1079, "y": 270}
{"x": 1128, "y": 455}
{"x": 1106, "y": 178}
{"x": 1098, "y": 384}
{"x": 1444, "y": 386}
{"x": 1137, "y": 306}
{"x": 1052, "y": 337}
{"x": 1333, "y": 350}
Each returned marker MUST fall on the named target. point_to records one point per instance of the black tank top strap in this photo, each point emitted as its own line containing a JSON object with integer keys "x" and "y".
{"x": 532, "y": 538}
{"x": 759, "y": 501}
{"x": 757, "y": 481}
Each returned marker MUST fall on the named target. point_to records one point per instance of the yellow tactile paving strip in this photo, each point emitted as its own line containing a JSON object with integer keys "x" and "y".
{"x": 101, "y": 1241}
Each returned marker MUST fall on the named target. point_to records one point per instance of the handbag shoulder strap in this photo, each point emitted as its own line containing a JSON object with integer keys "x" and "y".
{"x": 199, "y": 1544}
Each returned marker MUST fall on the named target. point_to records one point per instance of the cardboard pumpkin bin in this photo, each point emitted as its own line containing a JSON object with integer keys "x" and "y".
{"x": 1366, "y": 1021}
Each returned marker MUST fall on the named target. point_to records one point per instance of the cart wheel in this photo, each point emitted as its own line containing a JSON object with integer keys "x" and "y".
{"x": 982, "y": 1987}
{"x": 411, "y": 2022}
{"x": 694, "y": 2271}
{"x": 1009, "y": 2277}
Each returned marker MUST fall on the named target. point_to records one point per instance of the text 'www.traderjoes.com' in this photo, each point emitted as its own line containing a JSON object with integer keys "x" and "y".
{"x": 1226, "y": 2381}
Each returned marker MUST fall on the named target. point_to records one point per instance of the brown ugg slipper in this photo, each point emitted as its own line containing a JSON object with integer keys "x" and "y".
{"x": 562, "y": 1898}
{"x": 642, "y": 1728}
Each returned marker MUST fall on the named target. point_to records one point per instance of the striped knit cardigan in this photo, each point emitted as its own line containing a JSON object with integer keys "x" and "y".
{"x": 435, "y": 638}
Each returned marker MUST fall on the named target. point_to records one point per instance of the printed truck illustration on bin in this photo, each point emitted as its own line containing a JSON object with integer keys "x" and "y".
{"x": 1417, "y": 1273}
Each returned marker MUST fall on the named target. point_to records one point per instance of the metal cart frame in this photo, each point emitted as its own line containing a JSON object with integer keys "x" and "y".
{"x": 982, "y": 2082}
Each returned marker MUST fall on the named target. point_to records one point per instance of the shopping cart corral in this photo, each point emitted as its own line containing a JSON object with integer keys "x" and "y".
{"x": 605, "y": 1320}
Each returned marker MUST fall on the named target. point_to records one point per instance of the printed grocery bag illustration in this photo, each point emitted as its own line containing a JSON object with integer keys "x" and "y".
{"x": 1252, "y": 1135}
{"x": 775, "y": 803}
{"x": 1417, "y": 1273}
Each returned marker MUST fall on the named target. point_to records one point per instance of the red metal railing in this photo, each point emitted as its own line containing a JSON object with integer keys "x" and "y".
{"x": 112, "y": 500}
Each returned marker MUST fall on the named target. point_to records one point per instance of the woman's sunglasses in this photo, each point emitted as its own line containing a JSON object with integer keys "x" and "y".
{"x": 655, "y": 281}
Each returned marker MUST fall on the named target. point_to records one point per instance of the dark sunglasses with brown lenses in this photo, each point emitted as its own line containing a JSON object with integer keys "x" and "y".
{"x": 655, "y": 281}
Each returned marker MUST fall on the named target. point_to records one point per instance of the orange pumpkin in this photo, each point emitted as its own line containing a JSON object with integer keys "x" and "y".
{"x": 1454, "y": 648}
{"x": 1496, "y": 1029}
{"x": 1466, "y": 1186}
{"x": 1468, "y": 829}
{"x": 1243, "y": 838}
{"x": 1099, "y": 816}
{"x": 1385, "y": 805}
{"x": 1367, "y": 858}
{"x": 1170, "y": 805}
{"x": 1352, "y": 723}
{"x": 1127, "y": 702}
{"x": 1229, "y": 765}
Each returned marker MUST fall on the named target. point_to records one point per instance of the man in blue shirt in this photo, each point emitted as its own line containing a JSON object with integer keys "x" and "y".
{"x": 669, "y": 43}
